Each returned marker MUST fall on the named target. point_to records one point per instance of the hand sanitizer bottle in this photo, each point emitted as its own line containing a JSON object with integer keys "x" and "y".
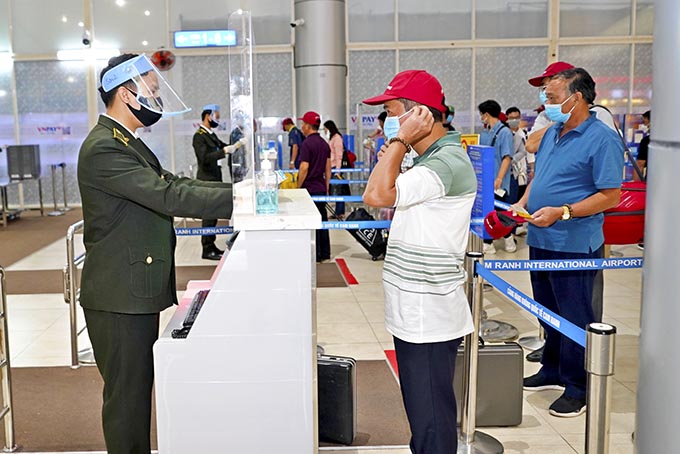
{"x": 266, "y": 189}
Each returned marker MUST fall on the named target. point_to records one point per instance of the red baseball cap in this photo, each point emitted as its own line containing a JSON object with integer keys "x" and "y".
{"x": 312, "y": 118}
{"x": 500, "y": 223}
{"x": 415, "y": 84}
{"x": 286, "y": 122}
{"x": 550, "y": 71}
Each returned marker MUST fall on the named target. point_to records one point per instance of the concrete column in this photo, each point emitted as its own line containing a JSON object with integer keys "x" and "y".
{"x": 320, "y": 59}
{"x": 658, "y": 396}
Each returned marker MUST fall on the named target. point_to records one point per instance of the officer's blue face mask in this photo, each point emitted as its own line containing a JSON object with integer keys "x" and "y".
{"x": 392, "y": 125}
{"x": 554, "y": 111}
{"x": 542, "y": 96}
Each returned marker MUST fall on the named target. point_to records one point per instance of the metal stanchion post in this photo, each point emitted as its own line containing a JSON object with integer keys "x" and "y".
{"x": 533, "y": 343}
{"x": 56, "y": 211}
{"x": 470, "y": 440}
{"x": 63, "y": 181}
{"x": 491, "y": 330}
{"x": 7, "y": 412}
{"x": 600, "y": 345}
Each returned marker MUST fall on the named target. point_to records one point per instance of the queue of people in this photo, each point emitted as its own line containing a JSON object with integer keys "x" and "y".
{"x": 577, "y": 176}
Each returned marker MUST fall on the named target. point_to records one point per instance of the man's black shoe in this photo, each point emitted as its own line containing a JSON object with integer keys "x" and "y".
{"x": 567, "y": 407}
{"x": 218, "y": 250}
{"x": 211, "y": 255}
{"x": 535, "y": 356}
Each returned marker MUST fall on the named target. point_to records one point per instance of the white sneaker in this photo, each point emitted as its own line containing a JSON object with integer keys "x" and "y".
{"x": 510, "y": 245}
{"x": 489, "y": 248}
{"x": 521, "y": 230}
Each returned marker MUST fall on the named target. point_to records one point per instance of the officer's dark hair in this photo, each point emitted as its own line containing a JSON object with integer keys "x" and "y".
{"x": 647, "y": 115}
{"x": 107, "y": 96}
{"x": 512, "y": 109}
{"x": 490, "y": 107}
{"x": 579, "y": 81}
{"x": 408, "y": 105}
{"x": 205, "y": 113}
{"x": 382, "y": 116}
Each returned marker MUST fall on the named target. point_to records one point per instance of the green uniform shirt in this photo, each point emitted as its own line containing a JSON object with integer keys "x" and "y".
{"x": 129, "y": 202}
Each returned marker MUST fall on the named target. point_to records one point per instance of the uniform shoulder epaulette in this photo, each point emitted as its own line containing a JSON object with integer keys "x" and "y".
{"x": 201, "y": 131}
{"x": 120, "y": 137}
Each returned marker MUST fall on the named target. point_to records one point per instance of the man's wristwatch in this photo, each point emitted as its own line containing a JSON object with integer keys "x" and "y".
{"x": 567, "y": 212}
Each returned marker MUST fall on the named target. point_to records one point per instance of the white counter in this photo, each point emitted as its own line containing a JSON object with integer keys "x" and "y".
{"x": 244, "y": 380}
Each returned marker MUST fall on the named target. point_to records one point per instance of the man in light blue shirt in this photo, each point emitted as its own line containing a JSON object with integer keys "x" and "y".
{"x": 498, "y": 136}
{"x": 578, "y": 173}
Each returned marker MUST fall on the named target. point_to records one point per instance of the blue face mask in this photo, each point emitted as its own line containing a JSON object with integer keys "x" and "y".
{"x": 554, "y": 112}
{"x": 392, "y": 125}
{"x": 542, "y": 96}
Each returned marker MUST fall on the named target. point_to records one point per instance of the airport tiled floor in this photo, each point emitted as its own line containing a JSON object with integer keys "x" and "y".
{"x": 350, "y": 323}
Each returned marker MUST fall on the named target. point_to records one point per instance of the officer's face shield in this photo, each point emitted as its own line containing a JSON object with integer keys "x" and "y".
{"x": 150, "y": 88}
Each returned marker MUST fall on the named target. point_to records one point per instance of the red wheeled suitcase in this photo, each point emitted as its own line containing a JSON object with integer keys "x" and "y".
{"x": 625, "y": 223}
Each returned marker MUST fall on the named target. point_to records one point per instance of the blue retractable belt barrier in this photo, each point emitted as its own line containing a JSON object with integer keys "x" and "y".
{"x": 564, "y": 326}
{"x": 501, "y": 205}
{"x": 563, "y": 265}
{"x": 356, "y": 169}
{"x": 337, "y": 198}
{"x": 338, "y": 181}
{"x": 356, "y": 225}
{"x": 202, "y": 231}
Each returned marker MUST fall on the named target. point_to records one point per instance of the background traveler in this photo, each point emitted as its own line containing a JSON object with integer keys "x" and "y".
{"x": 315, "y": 175}
{"x": 295, "y": 138}
{"x": 496, "y": 134}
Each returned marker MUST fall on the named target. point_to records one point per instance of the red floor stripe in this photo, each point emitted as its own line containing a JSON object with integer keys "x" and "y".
{"x": 392, "y": 359}
{"x": 344, "y": 269}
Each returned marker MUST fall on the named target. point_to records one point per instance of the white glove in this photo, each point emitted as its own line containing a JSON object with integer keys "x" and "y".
{"x": 229, "y": 149}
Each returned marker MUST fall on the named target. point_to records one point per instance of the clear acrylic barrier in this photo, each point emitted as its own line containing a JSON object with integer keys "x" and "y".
{"x": 242, "y": 118}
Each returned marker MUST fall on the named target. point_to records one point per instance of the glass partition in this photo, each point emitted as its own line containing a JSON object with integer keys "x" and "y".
{"x": 242, "y": 118}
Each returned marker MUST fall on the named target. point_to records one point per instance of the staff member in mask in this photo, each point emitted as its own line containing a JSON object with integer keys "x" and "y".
{"x": 209, "y": 150}
{"x": 128, "y": 278}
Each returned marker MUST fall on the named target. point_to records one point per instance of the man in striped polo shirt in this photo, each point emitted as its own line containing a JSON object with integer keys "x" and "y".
{"x": 425, "y": 305}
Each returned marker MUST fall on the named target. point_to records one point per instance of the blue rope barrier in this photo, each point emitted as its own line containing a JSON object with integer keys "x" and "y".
{"x": 501, "y": 205}
{"x": 564, "y": 326}
{"x": 337, "y": 198}
{"x": 339, "y": 181}
{"x": 564, "y": 265}
{"x": 343, "y": 225}
{"x": 203, "y": 231}
{"x": 355, "y": 169}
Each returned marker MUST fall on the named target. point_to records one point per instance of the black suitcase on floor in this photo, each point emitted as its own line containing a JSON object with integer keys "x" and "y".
{"x": 500, "y": 373}
{"x": 337, "y": 399}
{"x": 373, "y": 240}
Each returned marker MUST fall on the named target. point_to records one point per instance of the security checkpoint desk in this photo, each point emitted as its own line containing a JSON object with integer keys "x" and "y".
{"x": 244, "y": 379}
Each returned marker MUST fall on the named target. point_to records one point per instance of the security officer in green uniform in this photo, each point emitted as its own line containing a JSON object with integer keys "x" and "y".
{"x": 209, "y": 150}
{"x": 128, "y": 276}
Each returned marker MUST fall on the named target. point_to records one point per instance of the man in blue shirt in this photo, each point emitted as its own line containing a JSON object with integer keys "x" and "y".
{"x": 579, "y": 166}
{"x": 499, "y": 136}
{"x": 295, "y": 138}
